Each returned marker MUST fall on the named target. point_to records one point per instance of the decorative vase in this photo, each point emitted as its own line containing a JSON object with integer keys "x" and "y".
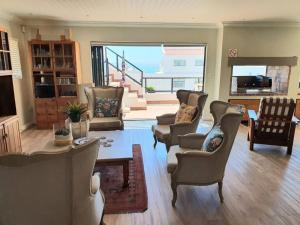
{"x": 79, "y": 129}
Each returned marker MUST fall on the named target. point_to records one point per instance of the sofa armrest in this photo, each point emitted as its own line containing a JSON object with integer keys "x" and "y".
{"x": 194, "y": 141}
{"x": 166, "y": 119}
{"x": 95, "y": 183}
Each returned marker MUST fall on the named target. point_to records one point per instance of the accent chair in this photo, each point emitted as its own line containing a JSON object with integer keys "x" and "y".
{"x": 198, "y": 159}
{"x": 104, "y": 123}
{"x": 273, "y": 125}
{"x": 167, "y": 131}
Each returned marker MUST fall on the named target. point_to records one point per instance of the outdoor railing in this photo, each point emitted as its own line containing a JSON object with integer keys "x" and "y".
{"x": 131, "y": 71}
{"x": 167, "y": 84}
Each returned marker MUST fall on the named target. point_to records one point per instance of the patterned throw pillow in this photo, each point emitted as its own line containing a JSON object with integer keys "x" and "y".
{"x": 213, "y": 140}
{"x": 185, "y": 113}
{"x": 106, "y": 107}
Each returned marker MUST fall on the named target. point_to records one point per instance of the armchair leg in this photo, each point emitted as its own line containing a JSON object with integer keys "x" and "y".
{"x": 289, "y": 149}
{"x": 168, "y": 147}
{"x": 251, "y": 146}
{"x": 220, "y": 185}
{"x": 174, "y": 190}
{"x": 155, "y": 141}
{"x": 102, "y": 222}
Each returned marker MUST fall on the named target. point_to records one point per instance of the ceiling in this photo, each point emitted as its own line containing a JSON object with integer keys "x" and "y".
{"x": 154, "y": 11}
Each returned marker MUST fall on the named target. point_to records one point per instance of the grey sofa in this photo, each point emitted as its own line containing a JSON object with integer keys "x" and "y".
{"x": 49, "y": 188}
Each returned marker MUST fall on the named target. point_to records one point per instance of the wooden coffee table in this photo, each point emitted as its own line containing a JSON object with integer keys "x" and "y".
{"x": 118, "y": 154}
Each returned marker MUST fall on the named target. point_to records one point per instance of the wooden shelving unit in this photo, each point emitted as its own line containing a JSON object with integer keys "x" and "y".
{"x": 56, "y": 75}
{"x": 10, "y": 139}
{"x": 5, "y": 61}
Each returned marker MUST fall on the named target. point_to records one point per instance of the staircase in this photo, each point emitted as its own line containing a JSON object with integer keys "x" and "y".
{"x": 133, "y": 86}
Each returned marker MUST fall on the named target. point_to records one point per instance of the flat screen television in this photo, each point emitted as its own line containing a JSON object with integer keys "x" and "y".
{"x": 254, "y": 82}
{"x": 7, "y": 97}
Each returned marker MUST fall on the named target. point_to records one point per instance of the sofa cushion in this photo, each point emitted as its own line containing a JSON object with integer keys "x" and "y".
{"x": 161, "y": 131}
{"x": 172, "y": 159}
{"x": 213, "y": 140}
{"x": 185, "y": 113}
{"x": 105, "y": 123}
{"x": 106, "y": 107}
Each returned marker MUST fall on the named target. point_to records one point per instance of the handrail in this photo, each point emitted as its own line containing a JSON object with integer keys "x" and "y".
{"x": 168, "y": 78}
{"x": 125, "y": 73}
{"x": 126, "y": 61}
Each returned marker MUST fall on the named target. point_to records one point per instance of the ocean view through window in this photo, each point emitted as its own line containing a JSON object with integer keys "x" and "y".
{"x": 164, "y": 68}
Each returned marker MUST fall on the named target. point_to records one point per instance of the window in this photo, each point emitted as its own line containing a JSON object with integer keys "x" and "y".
{"x": 199, "y": 62}
{"x": 260, "y": 80}
{"x": 179, "y": 62}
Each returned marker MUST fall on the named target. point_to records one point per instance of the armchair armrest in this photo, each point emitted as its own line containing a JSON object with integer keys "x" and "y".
{"x": 166, "y": 119}
{"x": 120, "y": 114}
{"x": 181, "y": 128}
{"x": 194, "y": 141}
{"x": 89, "y": 114}
{"x": 202, "y": 162}
{"x": 252, "y": 114}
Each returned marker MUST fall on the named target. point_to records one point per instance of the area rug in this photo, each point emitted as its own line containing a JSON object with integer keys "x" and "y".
{"x": 125, "y": 200}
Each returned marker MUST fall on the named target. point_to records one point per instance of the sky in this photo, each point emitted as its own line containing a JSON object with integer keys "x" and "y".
{"x": 147, "y": 58}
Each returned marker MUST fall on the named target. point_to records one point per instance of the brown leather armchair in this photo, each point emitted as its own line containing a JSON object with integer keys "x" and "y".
{"x": 166, "y": 131}
{"x": 274, "y": 123}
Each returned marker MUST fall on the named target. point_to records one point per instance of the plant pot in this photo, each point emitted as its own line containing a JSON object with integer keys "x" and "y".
{"x": 75, "y": 118}
{"x": 62, "y": 139}
{"x": 80, "y": 129}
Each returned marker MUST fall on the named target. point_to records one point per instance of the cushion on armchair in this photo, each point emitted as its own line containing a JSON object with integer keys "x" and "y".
{"x": 213, "y": 140}
{"x": 106, "y": 107}
{"x": 185, "y": 113}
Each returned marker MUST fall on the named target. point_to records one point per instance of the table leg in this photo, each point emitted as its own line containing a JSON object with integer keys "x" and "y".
{"x": 126, "y": 173}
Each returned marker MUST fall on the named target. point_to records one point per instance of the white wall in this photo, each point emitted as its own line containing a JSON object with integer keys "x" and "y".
{"x": 260, "y": 42}
{"x": 86, "y": 35}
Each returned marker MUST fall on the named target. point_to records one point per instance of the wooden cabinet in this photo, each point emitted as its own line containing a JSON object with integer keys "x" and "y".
{"x": 10, "y": 138}
{"x": 56, "y": 75}
{"x": 297, "y": 111}
{"x": 252, "y": 104}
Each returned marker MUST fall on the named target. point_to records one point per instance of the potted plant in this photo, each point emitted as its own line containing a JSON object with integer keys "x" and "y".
{"x": 150, "y": 89}
{"x": 62, "y": 135}
{"x": 79, "y": 123}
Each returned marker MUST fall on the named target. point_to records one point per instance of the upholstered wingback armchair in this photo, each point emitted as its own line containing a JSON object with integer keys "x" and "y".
{"x": 104, "y": 123}
{"x": 47, "y": 188}
{"x": 166, "y": 131}
{"x": 274, "y": 123}
{"x": 193, "y": 163}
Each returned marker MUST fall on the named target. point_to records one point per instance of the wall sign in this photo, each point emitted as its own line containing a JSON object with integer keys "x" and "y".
{"x": 232, "y": 52}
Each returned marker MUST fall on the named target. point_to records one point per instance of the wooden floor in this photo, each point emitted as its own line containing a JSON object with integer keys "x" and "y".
{"x": 260, "y": 187}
